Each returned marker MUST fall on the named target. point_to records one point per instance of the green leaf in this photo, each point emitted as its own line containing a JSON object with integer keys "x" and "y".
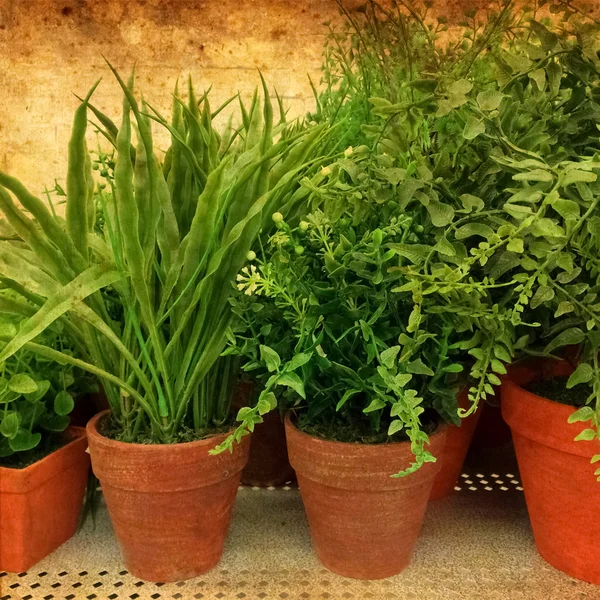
{"x": 418, "y": 367}
{"x": 568, "y": 337}
{"x": 542, "y": 294}
{"x": 376, "y": 404}
{"x": 63, "y": 403}
{"x": 292, "y": 380}
{"x": 473, "y": 128}
{"x": 444, "y": 247}
{"x": 270, "y": 358}
{"x": 515, "y": 245}
{"x": 547, "y": 228}
{"x": 42, "y": 389}
{"x": 582, "y": 374}
{"x": 460, "y": 88}
{"x": 471, "y": 203}
{"x": 587, "y": 435}
{"x": 22, "y": 384}
{"x": 470, "y": 229}
{"x": 395, "y": 426}
{"x": 388, "y": 356}
{"x": 490, "y": 99}
{"x": 416, "y": 253}
{"x": 578, "y": 177}
{"x": 441, "y": 214}
{"x": 534, "y": 175}
{"x": 548, "y": 39}
{"x": 24, "y": 440}
{"x": 10, "y": 425}
{"x": 347, "y": 395}
{"x": 563, "y": 308}
{"x": 298, "y": 361}
{"x": 585, "y": 413}
{"x": 267, "y": 401}
{"x": 539, "y": 76}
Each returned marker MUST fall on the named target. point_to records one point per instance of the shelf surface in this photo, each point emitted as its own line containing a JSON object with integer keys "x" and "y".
{"x": 475, "y": 545}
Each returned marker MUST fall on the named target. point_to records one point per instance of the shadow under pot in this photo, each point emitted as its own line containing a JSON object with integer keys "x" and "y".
{"x": 170, "y": 504}
{"x": 363, "y": 522}
{"x": 458, "y": 440}
{"x": 268, "y": 463}
{"x": 560, "y": 488}
{"x": 40, "y": 504}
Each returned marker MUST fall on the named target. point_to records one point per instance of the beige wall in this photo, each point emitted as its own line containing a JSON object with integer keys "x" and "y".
{"x": 51, "y": 48}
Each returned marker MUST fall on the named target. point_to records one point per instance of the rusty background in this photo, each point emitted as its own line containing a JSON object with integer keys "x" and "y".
{"x": 50, "y": 49}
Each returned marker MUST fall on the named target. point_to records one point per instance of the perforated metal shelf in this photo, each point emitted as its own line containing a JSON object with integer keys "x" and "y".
{"x": 475, "y": 545}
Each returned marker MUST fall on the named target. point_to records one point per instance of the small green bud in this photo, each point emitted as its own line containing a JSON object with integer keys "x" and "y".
{"x": 104, "y": 172}
{"x": 95, "y": 166}
{"x": 299, "y": 250}
{"x": 277, "y": 217}
{"x": 419, "y": 228}
{"x": 251, "y": 255}
{"x": 303, "y": 225}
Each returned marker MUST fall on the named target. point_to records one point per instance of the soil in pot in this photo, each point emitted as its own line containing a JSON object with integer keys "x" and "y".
{"x": 458, "y": 440}
{"x": 268, "y": 462}
{"x": 40, "y": 503}
{"x": 170, "y": 505}
{"x": 558, "y": 480}
{"x": 364, "y": 523}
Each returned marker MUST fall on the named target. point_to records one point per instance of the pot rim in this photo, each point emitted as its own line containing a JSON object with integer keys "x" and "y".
{"x": 510, "y": 383}
{"x": 94, "y": 433}
{"x": 440, "y": 430}
{"x": 75, "y": 432}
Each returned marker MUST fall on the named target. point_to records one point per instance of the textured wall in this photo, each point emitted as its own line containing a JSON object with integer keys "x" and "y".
{"x": 51, "y": 48}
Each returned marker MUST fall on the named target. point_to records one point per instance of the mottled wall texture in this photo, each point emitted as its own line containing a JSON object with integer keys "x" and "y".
{"x": 50, "y": 49}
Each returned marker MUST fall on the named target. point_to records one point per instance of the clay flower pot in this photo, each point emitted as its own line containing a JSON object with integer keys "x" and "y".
{"x": 364, "y": 523}
{"x": 458, "y": 440}
{"x": 170, "y": 505}
{"x": 560, "y": 488}
{"x": 268, "y": 463}
{"x": 40, "y": 505}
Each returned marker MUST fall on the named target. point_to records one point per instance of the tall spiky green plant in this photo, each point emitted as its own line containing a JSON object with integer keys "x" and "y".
{"x": 145, "y": 291}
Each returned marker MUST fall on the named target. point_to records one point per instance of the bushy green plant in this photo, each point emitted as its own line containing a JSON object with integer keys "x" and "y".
{"x": 36, "y": 394}
{"x": 146, "y": 294}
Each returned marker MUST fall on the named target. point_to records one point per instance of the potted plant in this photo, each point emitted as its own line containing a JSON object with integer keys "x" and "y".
{"x": 146, "y": 289}
{"x": 373, "y": 364}
{"x": 43, "y": 462}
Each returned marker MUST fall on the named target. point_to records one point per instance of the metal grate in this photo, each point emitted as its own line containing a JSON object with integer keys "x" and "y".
{"x": 475, "y": 545}
{"x": 489, "y": 483}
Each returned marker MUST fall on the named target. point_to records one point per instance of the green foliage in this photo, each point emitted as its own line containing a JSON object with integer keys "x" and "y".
{"x": 36, "y": 394}
{"x": 141, "y": 269}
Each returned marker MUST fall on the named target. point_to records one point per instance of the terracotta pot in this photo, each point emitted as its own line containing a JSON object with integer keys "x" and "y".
{"x": 268, "y": 463}
{"x": 364, "y": 523}
{"x": 458, "y": 440}
{"x": 40, "y": 505}
{"x": 561, "y": 490}
{"x": 170, "y": 505}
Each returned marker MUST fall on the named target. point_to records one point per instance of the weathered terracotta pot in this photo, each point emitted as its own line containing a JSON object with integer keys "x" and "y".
{"x": 364, "y": 523}
{"x": 268, "y": 463}
{"x": 40, "y": 505}
{"x": 560, "y": 488}
{"x": 458, "y": 440}
{"x": 170, "y": 505}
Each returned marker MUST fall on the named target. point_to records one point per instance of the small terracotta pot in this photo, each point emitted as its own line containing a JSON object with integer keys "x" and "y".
{"x": 40, "y": 505}
{"x": 268, "y": 463}
{"x": 560, "y": 488}
{"x": 458, "y": 440}
{"x": 170, "y": 505}
{"x": 364, "y": 523}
